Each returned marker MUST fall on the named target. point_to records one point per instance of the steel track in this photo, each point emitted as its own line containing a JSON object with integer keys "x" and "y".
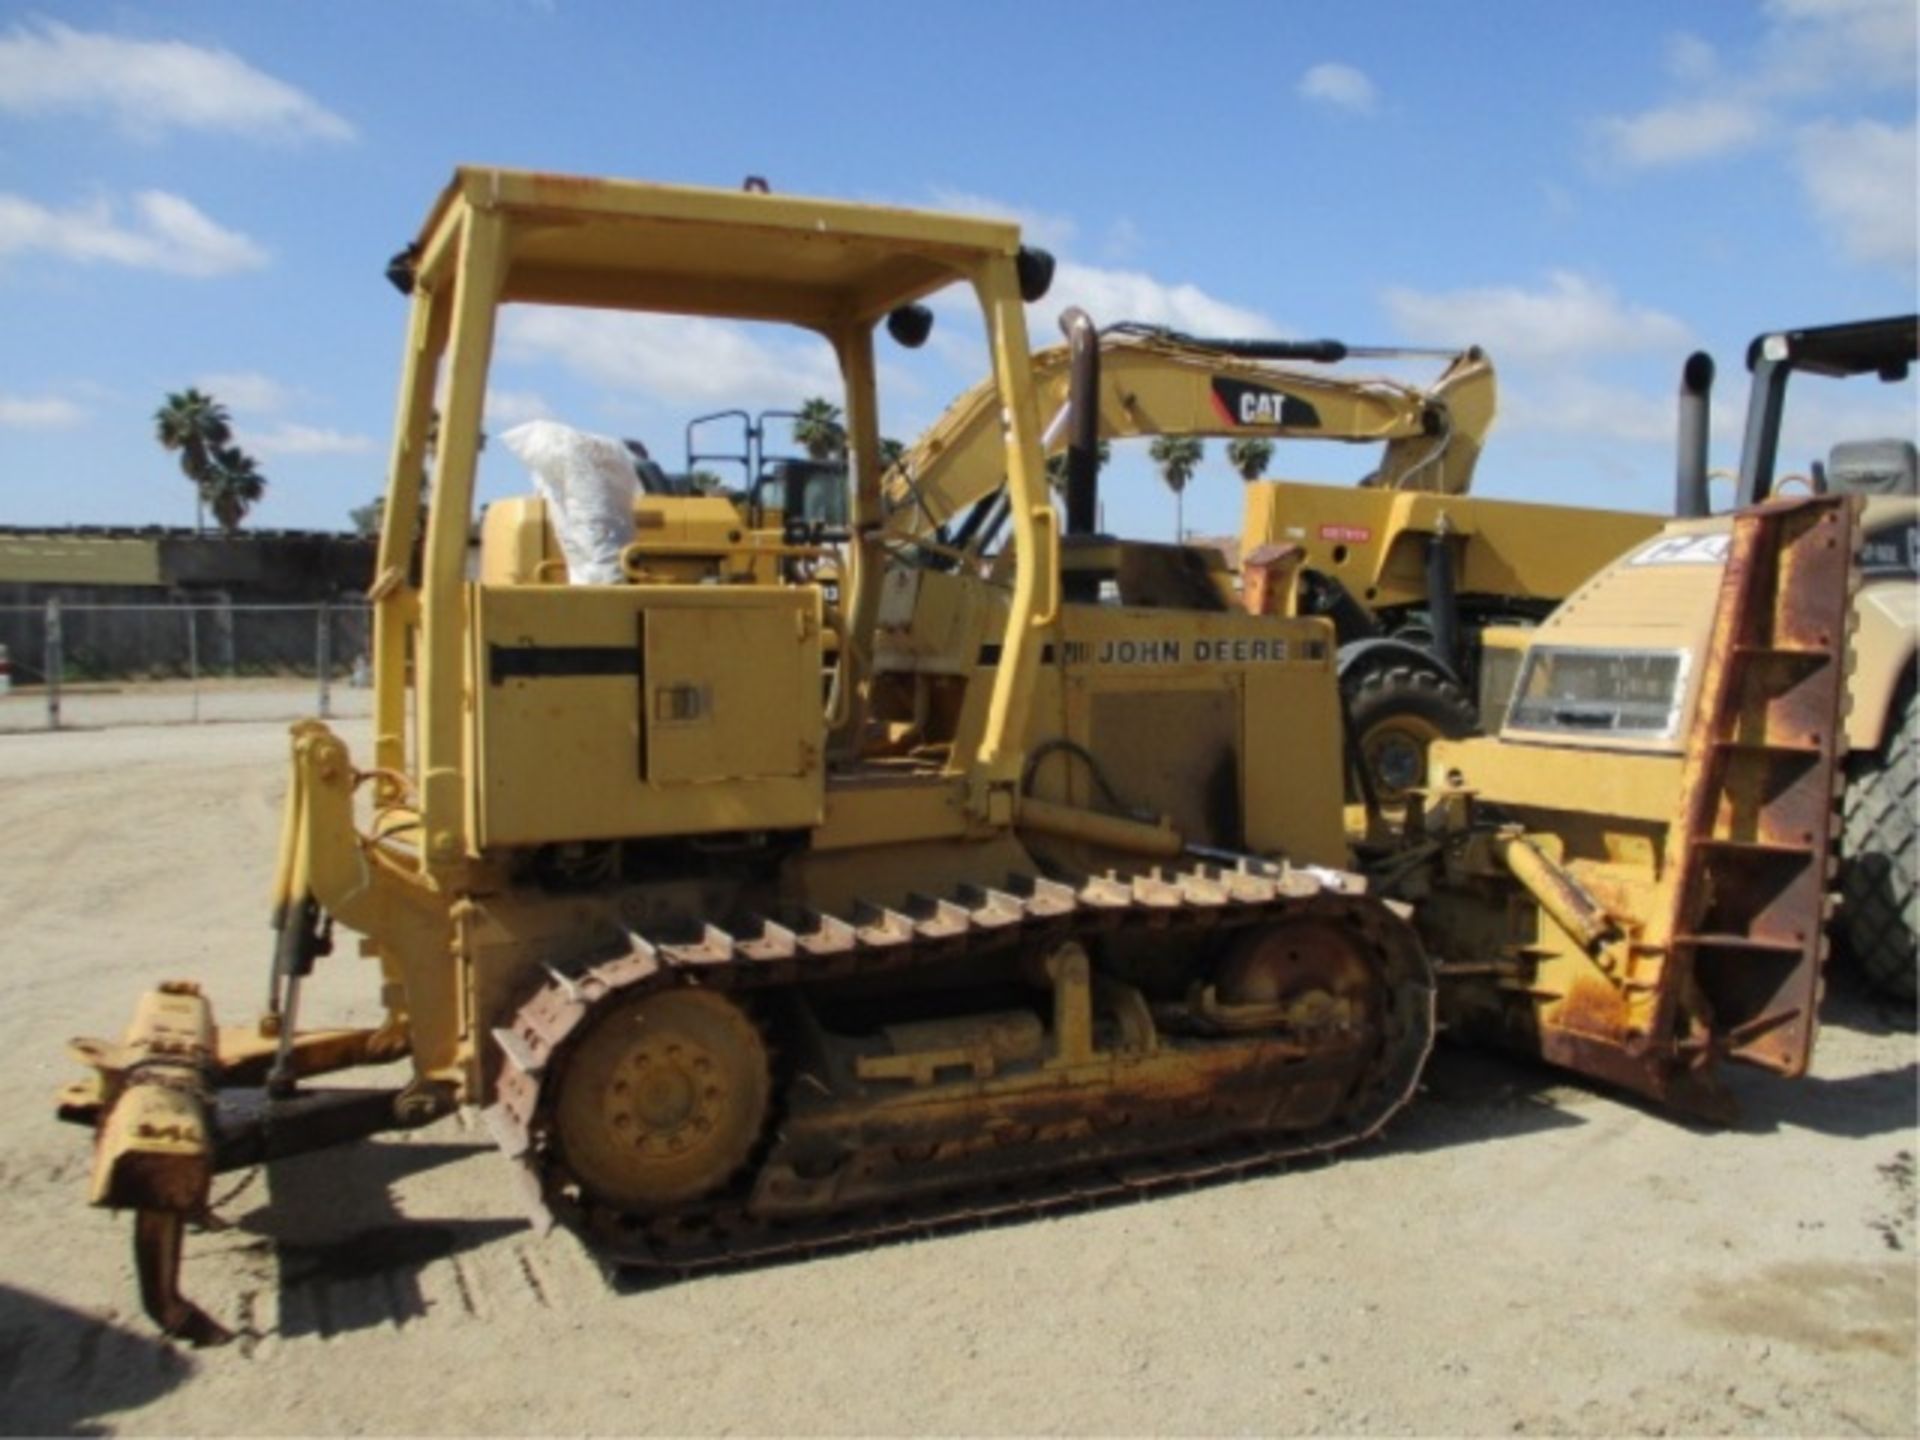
{"x": 723, "y": 1233}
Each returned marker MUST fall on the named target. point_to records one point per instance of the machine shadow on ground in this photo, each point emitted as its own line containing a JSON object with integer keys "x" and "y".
{"x": 1881, "y": 1102}
{"x": 343, "y": 1255}
{"x": 1474, "y": 1097}
{"x": 346, "y": 1258}
{"x": 61, "y": 1369}
{"x": 1851, "y": 1005}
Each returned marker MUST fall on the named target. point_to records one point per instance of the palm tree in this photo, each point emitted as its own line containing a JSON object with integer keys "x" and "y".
{"x": 196, "y": 425}
{"x": 820, "y": 431}
{"x": 368, "y": 518}
{"x": 234, "y": 487}
{"x": 1178, "y": 456}
{"x": 892, "y": 452}
{"x": 1250, "y": 455}
{"x": 1057, "y": 466}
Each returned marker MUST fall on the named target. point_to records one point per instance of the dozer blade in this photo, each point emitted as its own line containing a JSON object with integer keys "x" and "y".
{"x": 1750, "y": 855}
{"x": 1723, "y": 960}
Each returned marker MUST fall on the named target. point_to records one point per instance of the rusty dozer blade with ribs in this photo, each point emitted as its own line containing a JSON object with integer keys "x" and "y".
{"x": 1679, "y": 891}
{"x": 765, "y": 916}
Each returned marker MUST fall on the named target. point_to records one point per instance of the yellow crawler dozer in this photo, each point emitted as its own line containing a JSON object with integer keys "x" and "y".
{"x": 769, "y": 914}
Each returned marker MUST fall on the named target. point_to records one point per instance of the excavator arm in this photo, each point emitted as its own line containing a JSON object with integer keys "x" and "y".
{"x": 1157, "y": 382}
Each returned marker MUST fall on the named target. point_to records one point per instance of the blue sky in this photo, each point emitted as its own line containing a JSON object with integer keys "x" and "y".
{"x": 205, "y": 193}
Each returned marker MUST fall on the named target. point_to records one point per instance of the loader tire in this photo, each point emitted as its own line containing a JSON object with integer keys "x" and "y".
{"x": 1880, "y": 857}
{"x": 1397, "y": 711}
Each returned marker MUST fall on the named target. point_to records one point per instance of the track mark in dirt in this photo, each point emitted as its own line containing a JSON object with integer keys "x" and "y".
{"x": 246, "y": 1331}
{"x": 1896, "y": 1227}
{"x": 463, "y": 1286}
{"x": 530, "y": 1272}
{"x": 368, "y": 1280}
{"x": 1824, "y": 1306}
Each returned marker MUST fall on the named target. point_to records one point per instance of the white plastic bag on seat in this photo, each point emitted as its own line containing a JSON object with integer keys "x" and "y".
{"x": 588, "y": 482}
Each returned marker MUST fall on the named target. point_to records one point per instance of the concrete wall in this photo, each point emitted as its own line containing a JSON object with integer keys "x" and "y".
{"x": 286, "y": 565}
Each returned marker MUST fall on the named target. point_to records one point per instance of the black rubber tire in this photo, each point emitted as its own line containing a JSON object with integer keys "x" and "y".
{"x": 1880, "y": 857}
{"x": 1397, "y": 709}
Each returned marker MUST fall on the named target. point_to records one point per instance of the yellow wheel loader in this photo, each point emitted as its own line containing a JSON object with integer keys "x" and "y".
{"x": 1658, "y": 595}
{"x": 1031, "y": 889}
{"x": 1880, "y": 852}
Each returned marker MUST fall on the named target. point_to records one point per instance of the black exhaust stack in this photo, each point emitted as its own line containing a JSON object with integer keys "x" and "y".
{"x": 1443, "y": 596}
{"x": 1690, "y": 498}
{"x": 1083, "y": 421}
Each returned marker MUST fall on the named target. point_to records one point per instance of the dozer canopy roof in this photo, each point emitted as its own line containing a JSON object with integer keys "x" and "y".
{"x": 1859, "y": 347}
{"x": 620, "y": 244}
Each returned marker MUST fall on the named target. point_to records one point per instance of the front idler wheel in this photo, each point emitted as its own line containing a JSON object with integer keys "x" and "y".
{"x": 662, "y": 1100}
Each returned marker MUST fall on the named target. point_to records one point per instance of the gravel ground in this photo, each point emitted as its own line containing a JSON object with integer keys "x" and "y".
{"x": 1517, "y": 1256}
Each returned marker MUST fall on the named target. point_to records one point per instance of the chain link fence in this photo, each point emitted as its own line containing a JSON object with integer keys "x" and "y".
{"x": 85, "y": 665}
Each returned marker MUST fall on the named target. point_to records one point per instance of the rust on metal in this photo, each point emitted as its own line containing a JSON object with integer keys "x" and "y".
{"x": 1269, "y": 575}
{"x": 1726, "y": 963}
{"x": 1364, "y": 1007}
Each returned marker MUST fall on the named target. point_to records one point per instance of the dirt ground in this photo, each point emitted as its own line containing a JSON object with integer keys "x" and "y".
{"x": 1517, "y": 1256}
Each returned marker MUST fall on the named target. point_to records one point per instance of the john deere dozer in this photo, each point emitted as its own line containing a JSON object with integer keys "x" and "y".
{"x": 1036, "y": 891}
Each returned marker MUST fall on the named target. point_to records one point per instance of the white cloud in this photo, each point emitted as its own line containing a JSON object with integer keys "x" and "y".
{"x": 247, "y": 391}
{"x": 150, "y": 87}
{"x": 1052, "y": 232}
{"x": 1110, "y": 295}
{"x": 1814, "y": 46}
{"x": 507, "y": 408}
{"x": 290, "y": 439}
{"x": 678, "y": 359}
{"x": 1572, "y": 316}
{"x": 1106, "y": 293}
{"x": 1829, "y": 52}
{"x": 1860, "y": 180}
{"x": 43, "y": 412}
{"x": 1687, "y": 131}
{"x": 1691, "y": 59}
{"x": 1341, "y": 86}
{"x": 166, "y": 233}
{"x": 1123, "y": 240}
{"x": 248, "y": 395}
{"x": 1579, "y": 405}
